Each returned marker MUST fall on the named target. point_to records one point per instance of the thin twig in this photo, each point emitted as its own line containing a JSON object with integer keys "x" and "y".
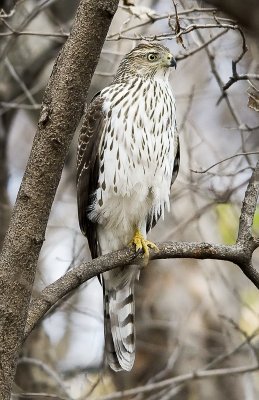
{"x": 205, "y": 44}
{"x": 37, "y": 396}
{"x": 46, "y": 368}
{"x": 195, "y": 375}
{"x": 160, "y": 17}
{"x": 235, "y": 78}
{"x": 170, "y": 36}
{"x": 35, "y": 11}
{"x": 203, "y": 171}
{"x": 21, "y": 106}
{"x": 19, "y": 81}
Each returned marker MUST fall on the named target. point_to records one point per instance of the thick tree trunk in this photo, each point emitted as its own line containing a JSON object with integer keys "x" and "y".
{"x": 61, "y": 111}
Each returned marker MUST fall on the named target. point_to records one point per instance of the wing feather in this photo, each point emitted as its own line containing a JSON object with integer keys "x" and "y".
{"x": 153, "y": 218}
{"x": 88, "y": 168}
{"x": 176, "y": 159}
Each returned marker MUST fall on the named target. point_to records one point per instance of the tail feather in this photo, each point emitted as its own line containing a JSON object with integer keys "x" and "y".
{"x": 119, "y": 312}
{"x": 109, "y": 346}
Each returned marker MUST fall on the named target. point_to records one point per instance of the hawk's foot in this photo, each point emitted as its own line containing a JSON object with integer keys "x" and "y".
{"x": 142, "y": 244}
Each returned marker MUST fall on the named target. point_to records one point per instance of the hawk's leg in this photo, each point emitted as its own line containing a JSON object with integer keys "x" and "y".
{"x": 142, "y": 244}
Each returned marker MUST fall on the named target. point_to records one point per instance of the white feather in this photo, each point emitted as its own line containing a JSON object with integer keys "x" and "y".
{"x": 142, "y": 185}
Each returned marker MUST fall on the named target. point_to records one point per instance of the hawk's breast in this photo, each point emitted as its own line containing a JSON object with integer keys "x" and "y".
{"x": 136, "y": 153}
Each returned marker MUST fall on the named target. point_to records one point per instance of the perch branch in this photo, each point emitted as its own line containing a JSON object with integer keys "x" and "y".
{"x": 240, "y": 254}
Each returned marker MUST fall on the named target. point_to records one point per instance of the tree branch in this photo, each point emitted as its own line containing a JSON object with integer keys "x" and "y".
{"x": 203, "y": 171}
{"x": 239, "y": 254}
{"x": 248, "y": 210}
{"x": 242, "y": 77}
{"x": 199, "y": 374}
{"x": 78, "y": 275}
{"x": 62, "y": 107}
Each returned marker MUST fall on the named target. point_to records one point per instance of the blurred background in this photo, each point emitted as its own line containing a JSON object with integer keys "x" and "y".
{"x": 191, "y": 315}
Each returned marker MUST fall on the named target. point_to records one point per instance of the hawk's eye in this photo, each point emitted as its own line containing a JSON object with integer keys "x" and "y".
{"x": 152, "y": 57}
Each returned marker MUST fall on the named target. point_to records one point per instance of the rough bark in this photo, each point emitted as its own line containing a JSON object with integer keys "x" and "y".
{"x": 61, "y": 111}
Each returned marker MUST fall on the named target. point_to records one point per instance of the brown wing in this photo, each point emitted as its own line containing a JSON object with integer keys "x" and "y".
{"x": 88, "y": 168}
{"x": 152, "y": 219}
{"x": 176, "y": 158}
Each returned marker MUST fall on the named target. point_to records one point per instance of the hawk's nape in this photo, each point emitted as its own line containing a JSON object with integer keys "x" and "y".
{"x": 128, "y": 157}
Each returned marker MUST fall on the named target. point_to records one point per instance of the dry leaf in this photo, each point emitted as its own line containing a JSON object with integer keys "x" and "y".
{"x": 177, "y": 28}
{"x": 253, "y": 99}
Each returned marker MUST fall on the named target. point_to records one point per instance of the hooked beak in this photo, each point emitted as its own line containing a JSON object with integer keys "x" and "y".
{"x": 173, "y": 62}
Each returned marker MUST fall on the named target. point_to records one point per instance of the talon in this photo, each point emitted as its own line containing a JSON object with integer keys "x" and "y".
{"x": 142, "y": 244}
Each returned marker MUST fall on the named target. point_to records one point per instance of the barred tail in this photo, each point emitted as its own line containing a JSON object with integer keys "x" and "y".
{"x": 119, "y": 317}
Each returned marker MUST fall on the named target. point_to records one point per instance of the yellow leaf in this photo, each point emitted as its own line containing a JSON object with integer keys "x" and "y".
{"x": 228, "y": 218}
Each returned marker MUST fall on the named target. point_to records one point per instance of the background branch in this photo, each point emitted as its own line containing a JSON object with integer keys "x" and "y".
{"x": 180, "y": 379}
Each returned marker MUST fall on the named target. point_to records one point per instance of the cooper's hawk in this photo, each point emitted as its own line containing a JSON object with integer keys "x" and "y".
{"x": 128, "y": 157}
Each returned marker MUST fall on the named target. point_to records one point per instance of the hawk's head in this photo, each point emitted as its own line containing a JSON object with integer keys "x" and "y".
{"x": 146, "y": 60}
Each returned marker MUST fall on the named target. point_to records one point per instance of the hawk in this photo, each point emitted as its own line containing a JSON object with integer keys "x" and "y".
{"x": 128, "y": 158}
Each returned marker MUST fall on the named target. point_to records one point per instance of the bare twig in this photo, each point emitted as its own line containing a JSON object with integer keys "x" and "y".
{"x": 35, "y": 11}
{"x": 220, "y": 83}
{"x": 188, "y": 109}
{"x": 235, "y": 78}
{"x": 160, "y": 17}
{"x": 195, "y": 375}
{"x": 224, "y": 356}
{"x": 46, "y": 368}
{"x": 6, "y": 104}
{"x": 15, "y": 32}
{"x": 225, "y": 159}
{"x": 205, "y": 44}
{"x": 37, "y": 396}
{"x": 170, "y": 36}
{"x": 19, "y": 81}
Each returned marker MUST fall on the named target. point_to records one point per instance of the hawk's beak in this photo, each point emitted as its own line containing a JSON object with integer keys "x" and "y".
{"x": 173, "y": 62}
{"x": 170, "y": 60}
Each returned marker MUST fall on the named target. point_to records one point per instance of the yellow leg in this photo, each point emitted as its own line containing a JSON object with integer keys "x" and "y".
{"x": 142, "y": 244}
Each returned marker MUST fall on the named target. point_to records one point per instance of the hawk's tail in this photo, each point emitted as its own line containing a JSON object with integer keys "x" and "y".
{"x": 119, "y": 317}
